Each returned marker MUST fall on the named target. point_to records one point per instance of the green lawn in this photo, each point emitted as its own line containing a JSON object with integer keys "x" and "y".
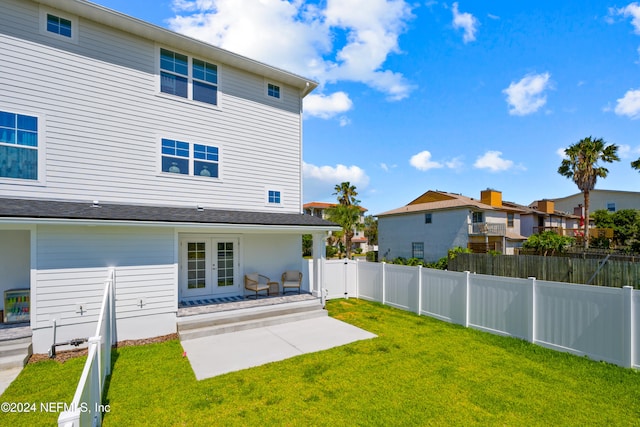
{"x": 419, "y": 371}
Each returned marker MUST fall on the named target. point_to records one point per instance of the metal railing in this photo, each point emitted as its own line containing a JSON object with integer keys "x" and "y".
{"x": 87, "y": 409}
{"x": 487, "y": 229}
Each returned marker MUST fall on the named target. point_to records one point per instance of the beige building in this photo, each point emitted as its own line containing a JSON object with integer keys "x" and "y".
{"x": 611, "y": 200}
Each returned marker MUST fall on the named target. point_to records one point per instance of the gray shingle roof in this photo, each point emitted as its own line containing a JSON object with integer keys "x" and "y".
{"x": 48, "y": 209}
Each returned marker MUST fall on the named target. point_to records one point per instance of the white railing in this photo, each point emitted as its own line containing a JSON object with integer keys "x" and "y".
{"x": 601, "y": 323}
{"x": 87, "y": 409}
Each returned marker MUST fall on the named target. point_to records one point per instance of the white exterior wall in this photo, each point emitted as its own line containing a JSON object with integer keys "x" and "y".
{"x": 101, "y": 119}
{"x": 448, "y": 229}
{"x": 272, "y": 255}
{"x": 72, "y": 264}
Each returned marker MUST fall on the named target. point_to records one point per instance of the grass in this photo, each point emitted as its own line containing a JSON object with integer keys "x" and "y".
{"x": 419, "y": 371}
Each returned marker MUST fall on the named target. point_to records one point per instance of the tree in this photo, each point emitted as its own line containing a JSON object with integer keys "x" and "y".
{"x": 581, "y": 165}
{"x": 346, "y": 194}
{"x": 371, "y": 229}
{"x": 547, "y": 242}
{"x": 636, "y": 164}
{"x": 346, "y": 213}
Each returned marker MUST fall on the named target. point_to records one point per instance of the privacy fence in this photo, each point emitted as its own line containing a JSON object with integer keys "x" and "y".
{"x": 87, "y": 409}
{"x": 600, "y": 271}
{"x": 598, "y": 322}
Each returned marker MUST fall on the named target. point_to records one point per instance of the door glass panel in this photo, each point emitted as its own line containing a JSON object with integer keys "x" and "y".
{"x": 225, "y": 264}
{"x": 196, "y": 266}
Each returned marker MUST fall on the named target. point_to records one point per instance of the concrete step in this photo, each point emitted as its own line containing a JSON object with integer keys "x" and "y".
{"x": 14, "y": 361}
{"x": 249, "y": 318}
{"x": 11, "y": 348}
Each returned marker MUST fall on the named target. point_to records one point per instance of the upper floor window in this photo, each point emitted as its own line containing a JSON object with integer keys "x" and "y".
{"x": 58, "y": 25}
{"x": 273, "y": 90}
{"x": 510, "y": 220}
{"x": 477, "y": 217}
{"x": 428, "y": 218}
{"x": 18, "y": 146}
{"x": 188, "y": 77}
{"x": 184, "y": 158}
{"x": 611, "y": 206}
{"x": 273, "y": 197}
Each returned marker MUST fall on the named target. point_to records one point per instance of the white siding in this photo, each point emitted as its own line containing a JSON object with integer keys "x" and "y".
{"x": 104, "y": 118}
{"x": 447, "y": 229}
{"x": 72, "y": 266}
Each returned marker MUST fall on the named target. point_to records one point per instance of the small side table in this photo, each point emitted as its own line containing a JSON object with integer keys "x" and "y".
{"x": 274, "y": 288}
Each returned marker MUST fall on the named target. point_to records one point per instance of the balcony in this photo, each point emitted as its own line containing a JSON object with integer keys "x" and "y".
{"x": 487, "y": 229}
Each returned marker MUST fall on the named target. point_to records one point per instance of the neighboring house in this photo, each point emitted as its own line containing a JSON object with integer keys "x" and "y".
{"x": 125, "y": 145}
{"x": 437, "y": 221}
{"x": 542, "y": 216}
{"x": 319, "y": 209}
{"x": 611, "y": 200}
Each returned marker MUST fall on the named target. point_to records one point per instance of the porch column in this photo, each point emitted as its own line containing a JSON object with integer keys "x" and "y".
{"x": 318, "y": 251}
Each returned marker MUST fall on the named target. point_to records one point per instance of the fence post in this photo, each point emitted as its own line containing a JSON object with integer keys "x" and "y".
{"x": 466, "y": 298}
{"x": 419, "y": 290}
{"x": 532, "y": 318}
{"x": 384, "y": 286}
{"x": 628, "y": 315}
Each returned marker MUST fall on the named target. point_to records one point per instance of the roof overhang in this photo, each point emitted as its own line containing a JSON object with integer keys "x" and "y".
{"x": 126, "y": 23}
{"x": 26, "y": 211}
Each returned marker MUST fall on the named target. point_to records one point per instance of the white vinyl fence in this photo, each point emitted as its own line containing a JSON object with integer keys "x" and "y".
{"x": 86, "y": 408}
{"x": 601, "y": 323}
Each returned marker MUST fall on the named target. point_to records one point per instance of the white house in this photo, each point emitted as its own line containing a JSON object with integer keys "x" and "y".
{"x": 427, "y": 227}
{"x": 125, "y": 145}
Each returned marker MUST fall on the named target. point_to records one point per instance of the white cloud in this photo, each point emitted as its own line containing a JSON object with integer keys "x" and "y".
{"x": 629, "y": 105}
{"x": 422, "y": 161}
{"x": 455, "y": 163}
{"x": 335, "y": 175}
{"x": 491, "y": 160}
{"x": 385, "y": 167}
{"x": 632, "y": 10}
{"x": 303, "y": 36}
{"x": 527, "y": 95}
{"x": 560, "y": 152}
{"x": 327, "y": 106}
{"x": 466, "y": 21}
{"x": 624, "y": 151}
{"x": 319, "y": 181}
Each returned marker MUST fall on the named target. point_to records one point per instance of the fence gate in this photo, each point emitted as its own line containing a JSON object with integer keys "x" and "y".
{"x": 340, "y": 278}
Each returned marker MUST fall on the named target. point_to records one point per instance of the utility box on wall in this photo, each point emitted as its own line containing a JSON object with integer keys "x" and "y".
{"x": 16, "y": 305}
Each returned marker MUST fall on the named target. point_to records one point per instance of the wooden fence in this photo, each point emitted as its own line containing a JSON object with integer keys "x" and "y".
{"x": 559, "y": 269}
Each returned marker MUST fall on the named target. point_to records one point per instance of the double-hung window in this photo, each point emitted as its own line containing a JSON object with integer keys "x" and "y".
{"x": 185, "y": 158}
{"x": 477, "y": 217}
{"x": 510, "y": 220}
{"x": 188, "y": 78}
{"x": 18, "y": 146}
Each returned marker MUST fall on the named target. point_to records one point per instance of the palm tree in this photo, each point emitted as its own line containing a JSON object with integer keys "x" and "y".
{"x": 346, "y": 213}
{"x": 581, "y": 165}
{"x": 346, "y": 194}
{"x": 636, "y": 164}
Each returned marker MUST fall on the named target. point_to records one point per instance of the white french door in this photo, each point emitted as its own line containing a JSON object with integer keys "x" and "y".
{"x": 209, "y": 266}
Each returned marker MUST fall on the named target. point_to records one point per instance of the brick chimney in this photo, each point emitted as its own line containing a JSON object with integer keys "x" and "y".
{"x": 491, "y": 197}
{"x": 546, "y": 206}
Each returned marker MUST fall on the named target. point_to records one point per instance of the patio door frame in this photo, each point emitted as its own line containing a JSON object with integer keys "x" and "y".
{"x": 211, "y": 267}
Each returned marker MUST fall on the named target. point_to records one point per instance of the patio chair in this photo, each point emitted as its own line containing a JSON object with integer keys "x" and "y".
{"x": 291, "y": 279}
{"x": 257, "y": 283}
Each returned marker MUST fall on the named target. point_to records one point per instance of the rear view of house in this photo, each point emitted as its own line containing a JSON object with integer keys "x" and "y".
{"x": 124, "y": 145}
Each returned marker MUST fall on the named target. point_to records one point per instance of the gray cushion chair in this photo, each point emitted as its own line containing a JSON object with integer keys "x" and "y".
{"x": 257, "y": 283}
{"x": 291, "y": 279}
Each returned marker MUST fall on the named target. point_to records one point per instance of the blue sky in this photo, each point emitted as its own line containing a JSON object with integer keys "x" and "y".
{"x": 454, "y": 96}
